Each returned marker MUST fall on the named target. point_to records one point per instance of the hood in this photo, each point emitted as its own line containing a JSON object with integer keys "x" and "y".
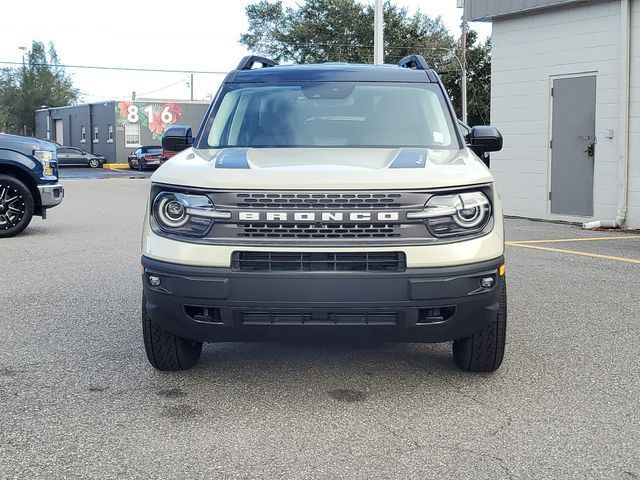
{"x": 323, "y": 168}
{"x": 24, "y": 144}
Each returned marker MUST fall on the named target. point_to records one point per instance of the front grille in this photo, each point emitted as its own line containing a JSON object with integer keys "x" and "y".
{"x": 336, "y": 231}
{"x": 346, "y": 318}
{"x": 318, "y": 200}
{"x": 318, "y": 262}
{"x": 250, "y": 211}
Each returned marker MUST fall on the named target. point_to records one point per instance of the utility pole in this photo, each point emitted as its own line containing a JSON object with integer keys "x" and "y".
{"x": 24, "y": 49}
{"x": 378, "y": 34}
{"x": 191, "y": 84}
{"x": 24, "y": 69}
{"x": 463, "y": 47}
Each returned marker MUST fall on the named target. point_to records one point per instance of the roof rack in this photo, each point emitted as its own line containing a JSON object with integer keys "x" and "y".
{"x": 415, "y": 62}
{"x": 249, "y": 61}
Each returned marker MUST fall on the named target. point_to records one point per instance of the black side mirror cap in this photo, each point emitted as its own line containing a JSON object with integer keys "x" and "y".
{"x": 177, "y": 138}
{"x": 484, "y": 138}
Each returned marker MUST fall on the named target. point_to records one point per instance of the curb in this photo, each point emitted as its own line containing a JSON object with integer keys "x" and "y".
{"x": 116, "y": 166}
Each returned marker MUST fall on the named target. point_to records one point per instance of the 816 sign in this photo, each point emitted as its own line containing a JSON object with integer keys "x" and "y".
{"x": 133, "y": 116}
{"x": 154, "y": 116}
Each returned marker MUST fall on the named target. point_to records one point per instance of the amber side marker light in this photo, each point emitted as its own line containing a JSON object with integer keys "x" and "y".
{"x": 501, "y": 270}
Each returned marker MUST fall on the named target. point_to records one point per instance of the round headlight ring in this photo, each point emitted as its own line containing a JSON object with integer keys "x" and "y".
{"x": 469, "y": 217}
{"x": 171, "y": 212}
{"x": 175, "y": 210}
{"x": 472, "y": 216}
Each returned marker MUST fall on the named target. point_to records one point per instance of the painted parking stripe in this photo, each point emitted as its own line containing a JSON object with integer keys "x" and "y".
{"x": 575, "y": 252}
{"x": 578, "y": 239}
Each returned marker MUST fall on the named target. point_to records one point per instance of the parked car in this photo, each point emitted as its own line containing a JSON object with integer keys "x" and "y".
{"x": 339, "y": 197}
{"x": 28, "y": 182}
{"x": 68, "y": 156}
{"x": 146, "y": 157}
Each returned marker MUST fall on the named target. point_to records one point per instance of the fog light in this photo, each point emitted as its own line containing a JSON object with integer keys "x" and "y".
{"x": 154, "y": 281}
{"x": 487, "y": 282}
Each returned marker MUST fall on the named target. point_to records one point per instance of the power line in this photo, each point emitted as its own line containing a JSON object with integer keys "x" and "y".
{"x": 124, "y": 69}
{"x": 165, "y": 87}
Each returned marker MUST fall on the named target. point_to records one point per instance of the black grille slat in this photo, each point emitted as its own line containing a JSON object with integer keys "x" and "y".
{"x": 283, "y": 230}
{"x": 318, "y": 200}
{"x": 318, "y": 262}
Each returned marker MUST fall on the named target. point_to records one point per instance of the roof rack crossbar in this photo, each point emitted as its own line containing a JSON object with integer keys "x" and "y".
{"x": 249, "y": 61}
{"x": 415, "y": 62}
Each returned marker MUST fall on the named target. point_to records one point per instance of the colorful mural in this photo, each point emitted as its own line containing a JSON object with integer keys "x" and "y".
{"x": 155, "y": 116}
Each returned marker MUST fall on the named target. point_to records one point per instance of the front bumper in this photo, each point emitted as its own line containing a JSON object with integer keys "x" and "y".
{"x": 51, "y": 194}
{"x": 418, "y": 305}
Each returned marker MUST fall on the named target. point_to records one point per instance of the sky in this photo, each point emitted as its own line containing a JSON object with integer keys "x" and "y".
{"x": 184, "y": 35}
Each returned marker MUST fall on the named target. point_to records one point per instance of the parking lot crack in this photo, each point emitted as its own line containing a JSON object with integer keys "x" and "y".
{"x": 416, "y": 445}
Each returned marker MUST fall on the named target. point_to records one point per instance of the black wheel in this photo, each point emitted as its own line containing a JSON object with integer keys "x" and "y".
{"x": 131, "y": 167}
{"x": 484, "y": 350}
{"x": 166, "y": 351}
{"x": 16, "y": 206}
{"x": 94, "y": 163}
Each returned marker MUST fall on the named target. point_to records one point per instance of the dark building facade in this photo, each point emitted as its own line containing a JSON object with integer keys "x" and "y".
{"x": 116, "y": 128}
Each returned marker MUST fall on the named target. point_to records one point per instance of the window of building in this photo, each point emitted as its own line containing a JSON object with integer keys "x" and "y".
{"x": 132, "y": 135}
{"x": 95, "y": 134}
{"x": 83, "y": 134}
{"x": 110, "y": 133}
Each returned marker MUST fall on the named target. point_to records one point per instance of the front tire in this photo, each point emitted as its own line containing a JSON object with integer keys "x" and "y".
{"x": 484, "y": 350}
{"x": 94, "y": 163}
{"x": 16, "y": 206}
{"x": 166, "y": 351}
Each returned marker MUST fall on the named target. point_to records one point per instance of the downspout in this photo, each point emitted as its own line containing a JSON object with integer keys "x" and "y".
{"x": 90, "y": 108}
{"x": 623, "y": 175}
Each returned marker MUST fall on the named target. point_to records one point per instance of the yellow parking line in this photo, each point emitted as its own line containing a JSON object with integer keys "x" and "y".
{"x": 576, "y": 252}
{"x": 581, "y": 239}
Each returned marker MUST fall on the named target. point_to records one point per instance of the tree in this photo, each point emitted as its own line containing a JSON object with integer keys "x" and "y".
{"x": 40, "y": 81}
{"x": 342, "y": 30}
{"x": 478, "y": 81}
{"x": 8, "y": 94}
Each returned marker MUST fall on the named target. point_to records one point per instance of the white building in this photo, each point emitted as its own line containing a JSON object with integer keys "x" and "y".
{"x": 565, "y": 93}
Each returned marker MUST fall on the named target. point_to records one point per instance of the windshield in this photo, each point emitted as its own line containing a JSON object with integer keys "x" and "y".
{"x": 330, "y": 115}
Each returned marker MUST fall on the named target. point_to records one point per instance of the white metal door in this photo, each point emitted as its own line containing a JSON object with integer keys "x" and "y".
{"x": 59, "y": 131}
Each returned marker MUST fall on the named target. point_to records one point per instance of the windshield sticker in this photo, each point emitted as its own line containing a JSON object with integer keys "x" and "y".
{"x": 438, "y": 138}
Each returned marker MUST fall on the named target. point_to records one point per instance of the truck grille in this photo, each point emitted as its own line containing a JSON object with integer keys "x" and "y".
{"x": 318, "y": 262}
{"x": 318, "y": 200}
{"x": 336, "y": 231}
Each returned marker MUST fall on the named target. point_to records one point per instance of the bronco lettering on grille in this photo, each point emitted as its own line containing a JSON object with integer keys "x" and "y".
{"x": 318, "y": 216}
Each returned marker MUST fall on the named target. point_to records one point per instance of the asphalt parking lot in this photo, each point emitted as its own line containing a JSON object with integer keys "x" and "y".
{"x": 86, "y": 173}
{"x": 78, "y": 399}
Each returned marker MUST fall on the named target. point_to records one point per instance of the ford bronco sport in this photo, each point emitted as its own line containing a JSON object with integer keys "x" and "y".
{"x": 331, "y": 197}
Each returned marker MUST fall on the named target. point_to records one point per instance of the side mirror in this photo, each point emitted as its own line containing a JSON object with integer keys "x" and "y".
{"x": 484, "y": 138}
{"x": 177, "y": 138}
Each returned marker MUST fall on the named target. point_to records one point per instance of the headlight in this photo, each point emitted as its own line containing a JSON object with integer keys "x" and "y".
{"x": 455, "y": 215}
{"x": 185, "y": 214}
{"x": 45, "y": 157}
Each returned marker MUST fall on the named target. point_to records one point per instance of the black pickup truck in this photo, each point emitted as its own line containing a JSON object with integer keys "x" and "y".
{"x": 28, "y": 182}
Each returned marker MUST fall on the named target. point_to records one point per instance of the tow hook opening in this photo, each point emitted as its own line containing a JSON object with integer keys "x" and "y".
{"x": 203, "y": 314}
{"x": 435, "y": 314}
